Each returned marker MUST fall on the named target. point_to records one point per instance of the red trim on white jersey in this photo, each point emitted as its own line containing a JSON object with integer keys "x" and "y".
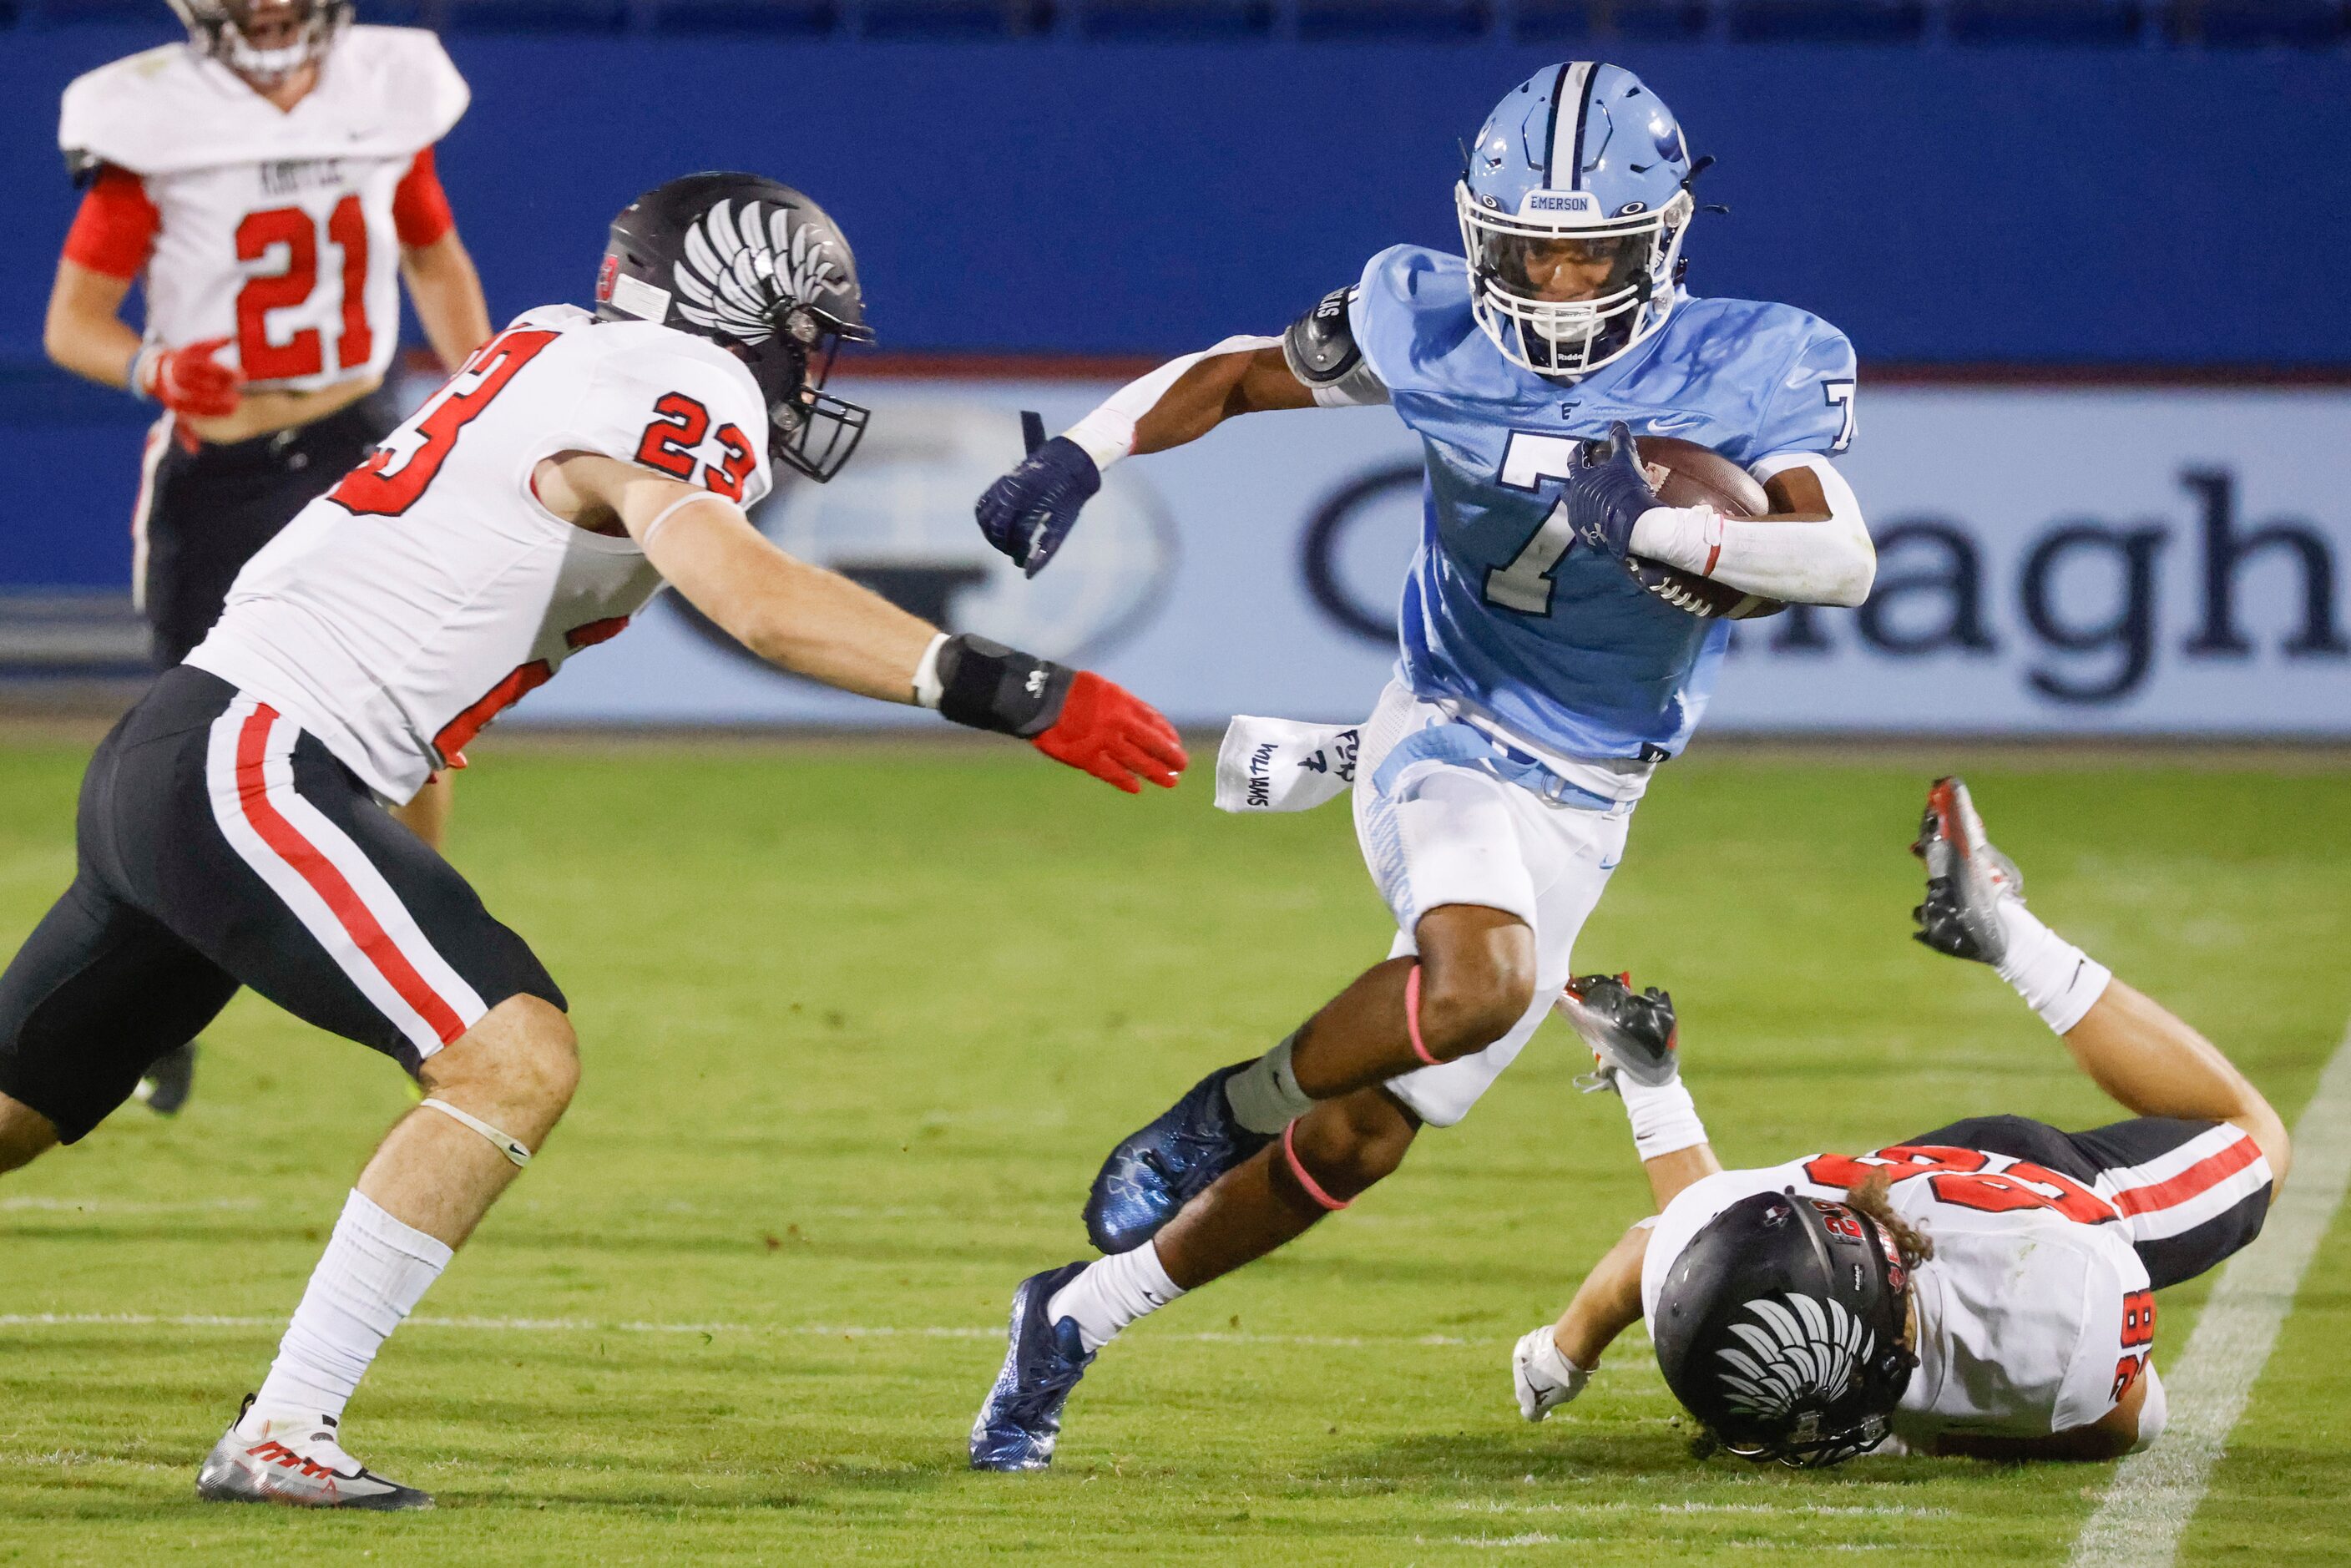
{"x": 420, "y": 207}
{"x": 328, "y": 881}
{"x": 2200, "y": 1180}
{"x": 114, "y": 228}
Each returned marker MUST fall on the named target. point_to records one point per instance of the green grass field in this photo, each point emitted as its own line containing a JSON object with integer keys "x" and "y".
{"x": 858, "y": 1025}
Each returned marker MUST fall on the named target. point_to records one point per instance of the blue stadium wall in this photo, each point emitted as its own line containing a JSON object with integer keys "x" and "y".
{"x": 1945, "y": 205}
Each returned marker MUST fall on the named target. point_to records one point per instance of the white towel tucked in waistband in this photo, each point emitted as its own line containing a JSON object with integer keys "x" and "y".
{"x": 1283, "y": 765}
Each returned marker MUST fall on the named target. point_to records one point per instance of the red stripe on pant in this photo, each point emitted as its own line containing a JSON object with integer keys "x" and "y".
{"x": 341, "y": 899}
{"x": 2204, "y": 1174}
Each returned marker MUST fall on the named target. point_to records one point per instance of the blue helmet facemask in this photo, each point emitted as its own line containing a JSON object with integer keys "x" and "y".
{"x": 1573, "y": 210}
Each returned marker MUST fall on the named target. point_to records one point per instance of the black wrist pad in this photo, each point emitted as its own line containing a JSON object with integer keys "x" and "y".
{"x": 990, "y": 687}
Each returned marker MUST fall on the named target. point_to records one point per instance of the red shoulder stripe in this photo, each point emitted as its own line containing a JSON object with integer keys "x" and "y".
{"x": 115, "y": 226}
{"x": 420, "y": 207}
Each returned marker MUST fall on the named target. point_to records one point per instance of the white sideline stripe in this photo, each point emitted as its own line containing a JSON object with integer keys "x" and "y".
{"x": 2157, "y": 1491}
{"x": 584, "y": 1325}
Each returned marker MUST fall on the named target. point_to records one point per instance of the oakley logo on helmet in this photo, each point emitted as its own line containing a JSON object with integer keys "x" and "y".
{"x": 1799, "y": 1352}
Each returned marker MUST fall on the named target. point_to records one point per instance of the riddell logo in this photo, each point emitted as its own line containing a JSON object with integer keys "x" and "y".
{"x": 604, "y": 276}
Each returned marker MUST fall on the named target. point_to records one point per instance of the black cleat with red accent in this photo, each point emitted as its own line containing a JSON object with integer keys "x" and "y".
{"x": 1633, "y": 1035}
{"x": 1966, "y": 878}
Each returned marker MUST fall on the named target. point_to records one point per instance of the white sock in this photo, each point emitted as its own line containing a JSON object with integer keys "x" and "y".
{"x": 1664, "y": 1119}
{"x": 2056, "y": 979}
{"x": 373, "y": 1273}
{"x": 1264, "y": 1095}
{"x": 1112, "y": 1293}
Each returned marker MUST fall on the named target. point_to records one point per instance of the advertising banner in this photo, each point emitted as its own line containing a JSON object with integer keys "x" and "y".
{"x": 2050, "y": 562}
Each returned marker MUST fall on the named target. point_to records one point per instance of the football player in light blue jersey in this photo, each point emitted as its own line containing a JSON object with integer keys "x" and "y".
{"x": 1540, "y": 684}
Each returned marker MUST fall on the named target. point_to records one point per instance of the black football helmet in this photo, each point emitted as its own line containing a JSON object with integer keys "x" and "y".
{"x": 1781, "y": 1327}
{"x": 754, "y": 265}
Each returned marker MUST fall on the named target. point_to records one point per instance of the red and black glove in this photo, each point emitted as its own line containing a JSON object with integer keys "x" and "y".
{"x": 1073, "y": 716}
{"x": 188, "y": 380}
{"x": 1108, "y": 731}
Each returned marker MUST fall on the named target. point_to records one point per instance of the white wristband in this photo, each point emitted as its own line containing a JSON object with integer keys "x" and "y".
{"x": 1689, "y": 538}
{"x": 1106, "y": 435}
{"x": 929, "y": 690}
{"x": 1664, "y": 1119}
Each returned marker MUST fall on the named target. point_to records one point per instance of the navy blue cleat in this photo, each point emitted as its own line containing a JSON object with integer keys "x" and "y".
{"x": 1172, "y": 1159}
{"x": 1020, "y": 1420}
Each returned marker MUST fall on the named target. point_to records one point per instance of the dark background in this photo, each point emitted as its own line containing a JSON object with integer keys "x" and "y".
{"x": 2028, "y": 206}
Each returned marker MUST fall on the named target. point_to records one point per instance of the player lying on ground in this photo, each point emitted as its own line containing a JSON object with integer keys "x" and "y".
{"x": 1982, "y": 1289}
{"x": 230, "y": 832}
{"x": 1540, "y": 683}
{"x": 257, "y": 183}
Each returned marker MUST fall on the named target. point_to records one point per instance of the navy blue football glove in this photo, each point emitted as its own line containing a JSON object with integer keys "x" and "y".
{"x": 1028, "y": 512}
{"x": 1607, "y": 492}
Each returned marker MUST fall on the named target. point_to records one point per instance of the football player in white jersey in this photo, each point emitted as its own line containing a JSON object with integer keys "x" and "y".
{"x": 230, "y": 832}
{"x": 267, "y": 183}
{"x": 1983, "y": 1290}
{"x": 263, "y": 181}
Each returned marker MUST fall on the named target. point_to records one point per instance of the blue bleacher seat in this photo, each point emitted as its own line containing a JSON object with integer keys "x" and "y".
{"x": 532, "y": 15}
{"x": 1827, "y": 21}
{"x": 773, "y": 18}
{"x": 1541, "y": 21}
{"x": 1391, "y": 19}
{"x": 951, "y": 18}
{"x": 1651, "y": 21}
{"x": 2255, "y": 23}
{"x": 1141, "y": 19}
{"x": 2109, "y": 24}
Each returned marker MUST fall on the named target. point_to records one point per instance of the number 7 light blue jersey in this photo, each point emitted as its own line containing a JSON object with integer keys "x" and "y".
{"x": 1565, "y": 649}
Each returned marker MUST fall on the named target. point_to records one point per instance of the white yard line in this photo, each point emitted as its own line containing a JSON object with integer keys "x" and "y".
{"x": 585, "y": 1326}
{"x": 2156, "y": 1492}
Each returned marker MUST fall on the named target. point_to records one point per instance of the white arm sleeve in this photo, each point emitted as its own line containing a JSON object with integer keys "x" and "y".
{"x": 1108, "y": 433}
{"x": 1830, "y": 562}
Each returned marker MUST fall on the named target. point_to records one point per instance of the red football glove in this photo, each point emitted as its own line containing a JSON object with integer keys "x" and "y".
{"x": 188, "y": 381}
{"x": 1108, "y": 731}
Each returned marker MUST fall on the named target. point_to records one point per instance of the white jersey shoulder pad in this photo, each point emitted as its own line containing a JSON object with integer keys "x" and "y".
{"x": 642, "y": 375}
{"x": 401, "y": 81}
{"x": 384, "y": 92}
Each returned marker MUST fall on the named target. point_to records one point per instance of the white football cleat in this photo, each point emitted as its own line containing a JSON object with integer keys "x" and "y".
{"x": 295, "y": 1460}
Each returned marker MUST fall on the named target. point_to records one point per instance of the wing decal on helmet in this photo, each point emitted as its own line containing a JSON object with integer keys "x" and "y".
{"x": 812, "y": 267}
{"x": 1808, "y": 1350}
{"x": 728, "y": 278}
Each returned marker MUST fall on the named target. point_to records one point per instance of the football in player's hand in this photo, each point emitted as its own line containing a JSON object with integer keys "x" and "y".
{"x": 1685, "y": 474}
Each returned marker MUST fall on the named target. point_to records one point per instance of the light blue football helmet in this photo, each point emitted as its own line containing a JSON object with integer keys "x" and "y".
{"x": 1577, "y": 184}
